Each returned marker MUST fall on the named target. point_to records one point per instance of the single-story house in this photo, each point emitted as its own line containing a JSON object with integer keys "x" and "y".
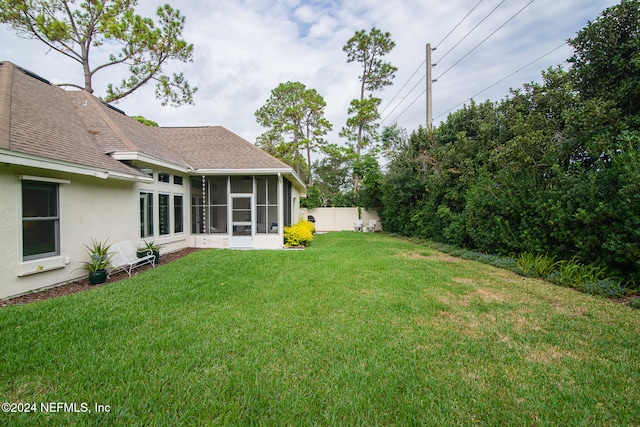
{"x": 73, "y": 168}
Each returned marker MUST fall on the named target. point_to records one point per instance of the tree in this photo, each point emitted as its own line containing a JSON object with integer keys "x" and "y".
{"x": 394, "y": 140}
{"x": 74, "y": 30}
{"x": 361, "y": 127}
{"x": 606, "y": 60}
{"x": 314, "y": 124}
{"x": 368, "y": 50}
{"x": 331, "y": 186}
{"x": 296, "y": 112}
{"x": 367, "y": 169}
{"x": 145, "y": 121}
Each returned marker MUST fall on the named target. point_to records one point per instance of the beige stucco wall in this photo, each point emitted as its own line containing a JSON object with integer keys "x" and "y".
{"x": 340, "y": 219}
{"x": 89, "y": 207}
{"x": 93, "y": 208}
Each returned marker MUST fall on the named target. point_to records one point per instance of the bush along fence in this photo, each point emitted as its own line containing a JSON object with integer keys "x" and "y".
{"x": 553, "y": 168}
{"x": 590, "y": 279}
{"x": 299, "y": 235}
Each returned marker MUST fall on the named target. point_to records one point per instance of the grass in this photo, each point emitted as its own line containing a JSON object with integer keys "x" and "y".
{"x": 358, "y": 329}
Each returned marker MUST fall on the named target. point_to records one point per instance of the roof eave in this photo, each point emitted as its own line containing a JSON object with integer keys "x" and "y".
{"x": 255, "y": 171}
{"x": 29, "y": 160}
{"x": 144, "y": 158}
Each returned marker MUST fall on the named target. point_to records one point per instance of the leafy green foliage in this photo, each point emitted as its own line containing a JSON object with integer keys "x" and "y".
{"x": 332, "y": 183}
{"x": 606, "y": 62}
{"x": 607, "y": 288}
{"x": 367, "y": 169}
{"x": 74, "y": 30}
{"x": 145, "y": 121}
{"x": 552, "y": 169}
{"x": 294, "y": 116}
{"x": 99, "y": 256}
{"x": 532, "y": 265}
{"x": 367, "y": 49}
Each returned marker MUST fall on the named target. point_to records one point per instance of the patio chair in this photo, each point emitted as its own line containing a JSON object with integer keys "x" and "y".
{"x": 357, "y": 226}
{"x": 125, "y": 257}
{"x": 372, "y": 225}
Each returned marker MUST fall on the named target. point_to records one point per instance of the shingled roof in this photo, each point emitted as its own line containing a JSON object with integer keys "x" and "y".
{"x": 214, "y": 147}
{"x": 37, "y": 119}
{"x": 43, "y": 120}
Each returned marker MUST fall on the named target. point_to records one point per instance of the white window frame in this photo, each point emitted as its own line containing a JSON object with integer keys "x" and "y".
{"x": 46, "y": 262}
{"x": 173, "y": 210}
{"x": 148, "y": 218}
{"x": 169, "y": 225}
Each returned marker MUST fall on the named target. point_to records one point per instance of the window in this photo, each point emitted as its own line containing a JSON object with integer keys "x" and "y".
{"x": 242, "y": 184}
{"x": 164, "y": 214}
{"x": 146, "y": 214}
{"x": 163, "y": 177}
{"x": 288, "y": 203}
{"x": 178, "y": 214}
{"x": 209, "y": 204}
{"x": 177, "y": 180}
{"x": 40, "y": 220}
{"x": 267, "y": 204}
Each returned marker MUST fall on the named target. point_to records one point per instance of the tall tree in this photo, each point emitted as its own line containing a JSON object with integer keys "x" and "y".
{"x": 368, "y": 50}
{"x": 75, "y": 30}
{"x": 294, "y": 116}
{"x": 332, "y": 183}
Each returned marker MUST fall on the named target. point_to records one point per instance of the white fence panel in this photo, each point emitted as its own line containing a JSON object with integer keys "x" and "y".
{"x": 340, "y": 219}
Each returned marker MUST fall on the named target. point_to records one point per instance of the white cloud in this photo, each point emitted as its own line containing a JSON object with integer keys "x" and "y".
{"x": 305, "y": 13}
{"x": 244, "y": 49}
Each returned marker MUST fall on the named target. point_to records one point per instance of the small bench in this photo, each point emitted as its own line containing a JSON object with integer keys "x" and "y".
{"x": 125, "y": 257}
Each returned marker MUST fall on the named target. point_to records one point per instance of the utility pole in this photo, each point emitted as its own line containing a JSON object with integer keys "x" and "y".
{"x": 429, "y": 88}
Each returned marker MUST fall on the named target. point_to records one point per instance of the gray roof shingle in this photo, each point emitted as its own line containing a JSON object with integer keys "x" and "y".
{"x": 214, "y": 147}
{"x": 74, "y": 126}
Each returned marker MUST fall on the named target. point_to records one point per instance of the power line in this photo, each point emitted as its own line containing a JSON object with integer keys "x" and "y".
{"x": 403, "y": 86}
{"x": 472, "y": 30}
{"x": 503, "y": 79}
{"x": 460, "y": 60}
{"x": 402, "y": 100}
{"x": 458, "y": 24}
{"x": 412, "y": 102}
{"x": 484, "y": 90}
{"x": 423, "y": 62}
{"x": 485, "y": 39}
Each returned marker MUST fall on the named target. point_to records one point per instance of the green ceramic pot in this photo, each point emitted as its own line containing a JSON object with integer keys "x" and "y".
{"x": 97, "y": 277}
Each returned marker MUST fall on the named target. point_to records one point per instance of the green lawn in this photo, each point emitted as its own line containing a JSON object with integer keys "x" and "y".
{"x": 358, "y": 329}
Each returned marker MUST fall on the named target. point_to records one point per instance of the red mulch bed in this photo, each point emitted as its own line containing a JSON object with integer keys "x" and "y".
{"x": 83, "y": 284}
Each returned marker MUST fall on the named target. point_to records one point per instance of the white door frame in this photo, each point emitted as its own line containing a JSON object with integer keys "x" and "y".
{"x": 240, "y": 225}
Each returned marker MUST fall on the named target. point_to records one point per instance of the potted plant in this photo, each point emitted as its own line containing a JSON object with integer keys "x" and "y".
{"x": 152, "y": 246}
{"x": 98, "y": 250}
{"x": 99, "y": 261}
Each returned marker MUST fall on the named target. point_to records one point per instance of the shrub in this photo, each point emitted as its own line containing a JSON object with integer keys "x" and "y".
{"x": 635, "y": 303}
{"x": 525, "y": 264}
{"x": 300, "y": 234}
{"x": 573, "y": 274}
{"x": 607, "y": 288}
{"x": 535, "y": 265}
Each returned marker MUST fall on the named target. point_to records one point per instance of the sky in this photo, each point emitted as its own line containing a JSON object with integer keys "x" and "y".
{"x": 245, "y": 48}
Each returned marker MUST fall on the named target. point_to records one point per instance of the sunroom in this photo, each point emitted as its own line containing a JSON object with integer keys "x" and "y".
{"x": 243, "y": 211}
